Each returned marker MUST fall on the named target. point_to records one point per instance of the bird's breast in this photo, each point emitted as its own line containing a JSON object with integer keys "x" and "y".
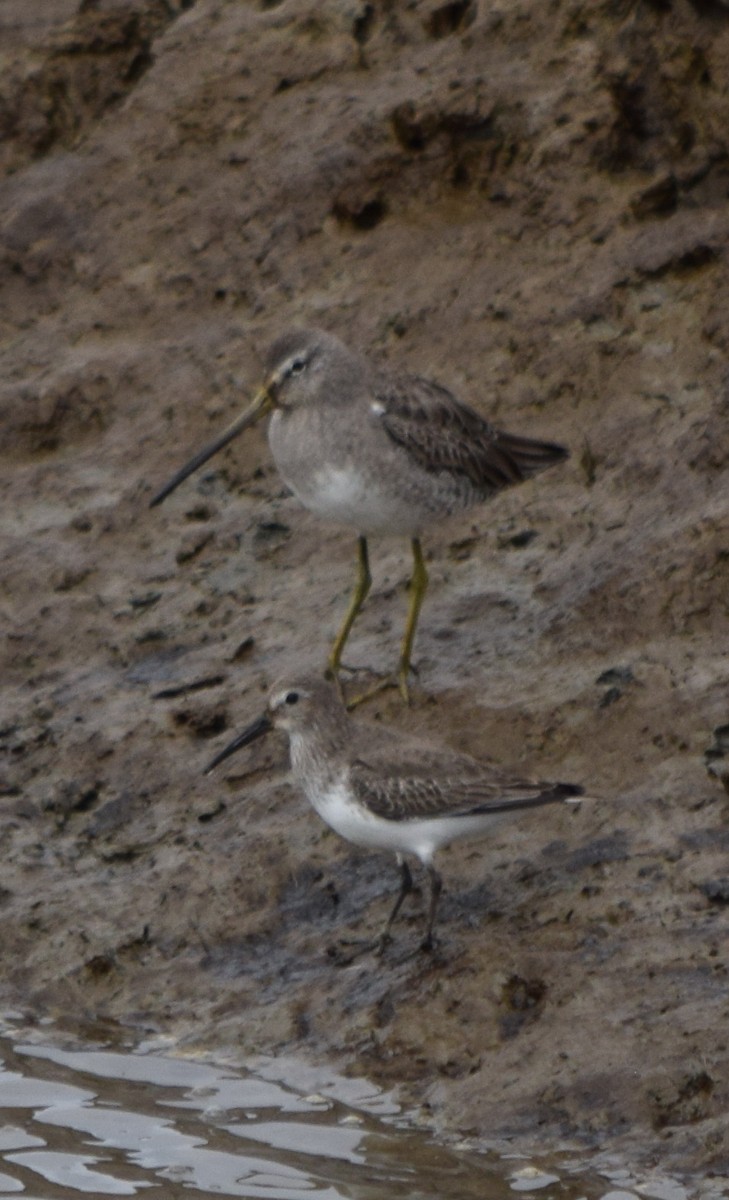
{"x": 347, "y": 474}
{"x": 337, "y": 807}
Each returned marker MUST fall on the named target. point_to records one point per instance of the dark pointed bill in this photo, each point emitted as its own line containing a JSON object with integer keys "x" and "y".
{"x": 261, "y": 404}
{"x": 255, "y": 730}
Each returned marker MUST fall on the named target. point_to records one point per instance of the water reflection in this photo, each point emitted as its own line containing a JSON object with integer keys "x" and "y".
{"x": 109, "y": 1123}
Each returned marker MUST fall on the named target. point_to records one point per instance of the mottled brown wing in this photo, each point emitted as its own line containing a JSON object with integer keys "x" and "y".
{"x": 442, "y": 434}
{"x": 388, "y": 750}
{"x": 412, "y": 795}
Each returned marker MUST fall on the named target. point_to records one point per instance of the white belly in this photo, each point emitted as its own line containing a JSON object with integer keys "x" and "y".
{"x": 419, "y": 837}
{"x": 347, "y": 496}
{"x": 362, "y": 479}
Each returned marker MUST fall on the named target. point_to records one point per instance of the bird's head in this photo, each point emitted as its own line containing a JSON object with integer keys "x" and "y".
{"x": 302, "y": 366}
{"x": 295, "y": 706}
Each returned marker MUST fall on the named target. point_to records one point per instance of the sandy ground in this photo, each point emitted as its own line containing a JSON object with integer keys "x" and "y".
{"x": 528, "y": 202}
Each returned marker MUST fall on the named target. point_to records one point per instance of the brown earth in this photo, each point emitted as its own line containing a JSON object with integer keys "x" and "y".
{"x": 530, "y": 203}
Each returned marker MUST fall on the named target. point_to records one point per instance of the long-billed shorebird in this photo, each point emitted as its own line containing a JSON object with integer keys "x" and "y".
{"x": 387, "y": 791}
{"x": 381, "y": 452}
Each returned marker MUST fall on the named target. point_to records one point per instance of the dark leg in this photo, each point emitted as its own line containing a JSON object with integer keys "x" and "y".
{"x": 406, "y": 884}
{"x": 359, "y": 595}
{"x": 348, "y": 949}
{"x": 418, "y": 587}
{"x": 436, "y": 887}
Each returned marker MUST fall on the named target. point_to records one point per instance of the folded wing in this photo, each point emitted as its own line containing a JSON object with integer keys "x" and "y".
{"x": 412, "y": 794}
{"x": 442, "y": 434}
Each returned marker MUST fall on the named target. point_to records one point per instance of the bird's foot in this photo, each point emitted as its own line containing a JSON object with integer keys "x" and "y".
{"x": 404, "y": 670}
{"x": 348, "y": 950}
{"x": 381, "y": 943}
{"x": 352, "y": 670}
{"x": 384, "y": 683}
{"x": 333, "y": 675}
{"x": 429, "y": 947}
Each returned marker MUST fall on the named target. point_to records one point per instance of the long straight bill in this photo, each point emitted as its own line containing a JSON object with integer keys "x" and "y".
{"x": 257, "y": 729}
{"x": 261, "y": 404}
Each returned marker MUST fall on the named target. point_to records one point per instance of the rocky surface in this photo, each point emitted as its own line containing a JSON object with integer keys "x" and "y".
{"x": 528, "y": 202}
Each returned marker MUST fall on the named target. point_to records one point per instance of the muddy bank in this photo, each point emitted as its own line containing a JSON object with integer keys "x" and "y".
{"x": 530, "y": 206}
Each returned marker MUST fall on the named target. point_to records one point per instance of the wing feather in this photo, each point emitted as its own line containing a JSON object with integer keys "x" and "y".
{"x": 411, "y": 794}
{"x": 442, "y": 434}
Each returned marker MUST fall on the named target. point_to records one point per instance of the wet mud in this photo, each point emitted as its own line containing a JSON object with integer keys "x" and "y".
{"x": 527, "y": 203}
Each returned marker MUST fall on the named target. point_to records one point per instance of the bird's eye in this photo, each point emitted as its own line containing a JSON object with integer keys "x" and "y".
{"x": 291, "y": 698}
{"x": 297, "y": 366}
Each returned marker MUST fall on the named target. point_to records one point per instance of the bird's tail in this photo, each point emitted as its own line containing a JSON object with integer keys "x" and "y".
{"x": 528, "y": 456}
{"x": 551, "y": 793}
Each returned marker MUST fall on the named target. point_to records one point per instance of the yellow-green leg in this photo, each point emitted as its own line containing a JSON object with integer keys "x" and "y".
{"x": 418, "y": 588}
{"x": 359, "y": 595}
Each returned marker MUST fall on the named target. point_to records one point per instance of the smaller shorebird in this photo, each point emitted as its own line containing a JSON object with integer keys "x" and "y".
{"x": 716, "y": 758}
{"x": 382, "y": 452}
{"x": 388, "y": 791}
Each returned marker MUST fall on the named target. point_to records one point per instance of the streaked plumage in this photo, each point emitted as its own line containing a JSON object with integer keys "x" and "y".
{"x": 382, "y": 452}
{"x": 386, "y": 791}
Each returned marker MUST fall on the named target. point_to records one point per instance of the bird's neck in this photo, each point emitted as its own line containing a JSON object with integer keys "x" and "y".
{"x": 320, "y": 753}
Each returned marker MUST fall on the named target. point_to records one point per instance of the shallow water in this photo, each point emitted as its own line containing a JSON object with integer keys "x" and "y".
{"x": 115, "y": 1122}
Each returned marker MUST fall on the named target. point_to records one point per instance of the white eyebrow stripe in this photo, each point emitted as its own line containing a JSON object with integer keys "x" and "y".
{"x": 299, "y": 356}
{"x": 377, "y": 408}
